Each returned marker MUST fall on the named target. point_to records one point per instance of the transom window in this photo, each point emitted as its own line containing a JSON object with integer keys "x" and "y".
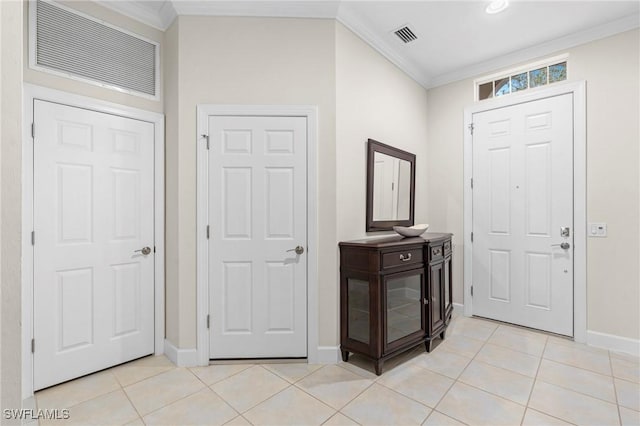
{"x": 522, "y": 78}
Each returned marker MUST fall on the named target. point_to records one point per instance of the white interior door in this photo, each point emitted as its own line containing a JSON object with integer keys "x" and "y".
{"x": 93, "y": 209}
{"x": 523, "y": 214}
{"x": 257, "y": 217}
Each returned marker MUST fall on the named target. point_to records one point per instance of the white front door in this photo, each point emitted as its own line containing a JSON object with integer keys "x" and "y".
{"x": 93, "y": 213}
{"x": 257, "y": 217}
{"x": 523, "y": 214}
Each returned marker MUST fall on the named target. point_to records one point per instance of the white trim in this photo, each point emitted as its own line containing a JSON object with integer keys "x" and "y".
{"x": 181, "y": 357}
{"x": 202, "y": 214}
{"x": 458, "y": 308}
{"x": 30, "y": 93}
{"x": 327, "y": 355}
{"x": 352, "y": 21}
{"x": 613, "y": 342}
{"x": 158, "y": 19}
{"x": 578, "y": 89}
{"x": 34, "y": 65}
{"x": 563, "y": 43}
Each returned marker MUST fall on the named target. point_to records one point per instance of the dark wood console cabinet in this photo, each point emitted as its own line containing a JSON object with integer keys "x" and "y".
{"x": 395, "y": 293}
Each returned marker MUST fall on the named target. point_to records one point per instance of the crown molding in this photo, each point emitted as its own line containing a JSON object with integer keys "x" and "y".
{"x": 509, "y": 60}
{"x": 350, "y": 20}
{"x": 159, "y": 20}
{"x": 283, "y": 9}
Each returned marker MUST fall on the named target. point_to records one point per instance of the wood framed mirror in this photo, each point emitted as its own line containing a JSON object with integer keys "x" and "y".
{"x": 391, "y": 182}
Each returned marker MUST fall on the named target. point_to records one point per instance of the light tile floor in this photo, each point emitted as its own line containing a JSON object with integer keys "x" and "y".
{"x": 484, "y": 373}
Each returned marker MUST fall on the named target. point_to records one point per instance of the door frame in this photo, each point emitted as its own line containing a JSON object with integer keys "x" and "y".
{"x": 310, "y": 112}
{"x": 30, "y": 94}
{"x": 578, "y": 90}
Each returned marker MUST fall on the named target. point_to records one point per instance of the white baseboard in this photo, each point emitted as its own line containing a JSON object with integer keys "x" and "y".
{"x": 181, "y": 357}
{"x": 613, "y": 342}
{"x": 328, "y": 354}
{"x": 458, "y": 309}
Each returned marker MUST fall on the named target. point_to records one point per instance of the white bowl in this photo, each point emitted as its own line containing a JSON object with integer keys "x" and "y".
{"x": 411, "y": 231}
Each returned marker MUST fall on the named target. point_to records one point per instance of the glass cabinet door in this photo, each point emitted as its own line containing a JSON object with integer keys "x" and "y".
{"x": 358, "y": 309}
{"x": 404, "y": 306}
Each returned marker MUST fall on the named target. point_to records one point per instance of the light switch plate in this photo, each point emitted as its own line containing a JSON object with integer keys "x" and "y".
{"x": 597, "y": 230}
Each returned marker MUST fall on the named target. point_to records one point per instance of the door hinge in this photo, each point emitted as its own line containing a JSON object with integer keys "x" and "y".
{"x": 471, "y": 291}
{"x": 471, "y": 127}
{"x": 207, "y": 232}
{"x": 472, "y": 237}
{"x": 154, "y": 249}
{"x": 33, "y": 238}
{"x": 208, "y": 321}
{"x": 33, "y": 346}
{"x": 33, "y": 130}
{"x": 206, "y": 137}
{"x": 471, "y": 183}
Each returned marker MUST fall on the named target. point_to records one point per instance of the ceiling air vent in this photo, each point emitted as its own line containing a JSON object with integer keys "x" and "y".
{"x": 75, "y": 45}
{"x": 405, "y": 34}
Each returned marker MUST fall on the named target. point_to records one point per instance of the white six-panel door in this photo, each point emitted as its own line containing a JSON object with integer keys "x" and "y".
{"x": 257, "y": 217}
{"x": 522, "y": 198}
{"x": 93, "y": 208}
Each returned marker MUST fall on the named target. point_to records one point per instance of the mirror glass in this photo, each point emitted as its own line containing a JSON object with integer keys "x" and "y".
{"x": 390, "y": 187}
{"x": 392, "y": 179}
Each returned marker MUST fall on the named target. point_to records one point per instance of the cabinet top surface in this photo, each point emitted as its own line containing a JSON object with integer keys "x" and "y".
{"x": 396, "y": 240}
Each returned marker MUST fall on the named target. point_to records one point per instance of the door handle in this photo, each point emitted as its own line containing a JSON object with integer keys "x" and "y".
{"x": 564, "y": 246}
{"x": 298, "y": 249}
{"x": 143, "y": 250}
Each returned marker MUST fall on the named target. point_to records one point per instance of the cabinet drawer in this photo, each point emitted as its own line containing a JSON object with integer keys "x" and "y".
{"x": 401, "y": 258}
{"x": 435, "y": 252}
{"x": 447, "y": 247}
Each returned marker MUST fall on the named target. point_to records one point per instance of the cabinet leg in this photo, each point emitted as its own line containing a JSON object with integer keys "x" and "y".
{"x": 345, "y": 355}
{"x": 443, "y": 334}
{"x": 378, "y": 366}
{"x": 427, "y": 345}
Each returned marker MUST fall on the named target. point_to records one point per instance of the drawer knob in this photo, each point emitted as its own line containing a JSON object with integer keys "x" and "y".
{"x": 405, "y": 258}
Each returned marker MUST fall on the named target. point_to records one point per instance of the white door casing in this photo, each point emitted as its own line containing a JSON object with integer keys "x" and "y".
{"x": 257, "y": 217}
{"x": 522, "y": 196}
{"x": 93, "y": 207}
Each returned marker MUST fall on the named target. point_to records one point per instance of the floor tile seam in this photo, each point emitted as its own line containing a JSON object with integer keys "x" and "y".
{"x": 227, "y": 377}
{"x": 169, "y": 403}
{"x": 582, "y": 368}
{"x": 540, "y": 355}
{"x": 535, "y": 379}
{"x": 446, "y": 415}
{"x": 508, "y": 370}
{"x": 297, "y": 380}
{"x": 575, "y": 347}
{"x": 577, "y": 391}
{"x": 133, "y": 405}
{"x": 615, "y": 391}
{"x": 408, "y": 397}
{"x": 549, "y": 415}
{"x": 293, "y": 385}
{"x": 472, "y": 358}
{"x": 142, "y": 380}
{"x": 493, "y": 394}
{"x": 242, "y": 413}
{"x": 343, "y": 405}
{"x": 344, "y": 414}
{"x": 102, "y": 393}
{"x": 342, "y": 365}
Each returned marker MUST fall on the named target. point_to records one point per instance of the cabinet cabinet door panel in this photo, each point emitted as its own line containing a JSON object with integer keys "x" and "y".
{"x": 403, "y": 300}
{"x": 435, "y": 296}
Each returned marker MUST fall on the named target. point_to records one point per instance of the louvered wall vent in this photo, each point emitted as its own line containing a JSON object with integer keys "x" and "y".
{"x": 405, "y": 34}
{"x": 81, "y": 47}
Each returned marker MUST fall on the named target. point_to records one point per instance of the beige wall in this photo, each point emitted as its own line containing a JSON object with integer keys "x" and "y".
{"x": 611, "y": 68}
{"x": 10, "y": 201}
{"x": 374, "y": 99}
{"x": 86, "y": 89}
{"x": 243, "y": 61}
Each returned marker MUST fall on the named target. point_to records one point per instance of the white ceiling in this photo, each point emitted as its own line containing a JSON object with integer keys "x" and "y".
{"x": 456, "y": 39}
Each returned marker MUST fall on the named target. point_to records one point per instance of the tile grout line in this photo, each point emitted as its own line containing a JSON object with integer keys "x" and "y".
{"x": 615, "y": 389}
{"x": 535, "y": 380}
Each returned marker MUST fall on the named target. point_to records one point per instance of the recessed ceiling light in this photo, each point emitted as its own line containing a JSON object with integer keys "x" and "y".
{"x": 497, "y": 6}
